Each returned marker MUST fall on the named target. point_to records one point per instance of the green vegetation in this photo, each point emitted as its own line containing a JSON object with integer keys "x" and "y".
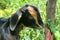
{"x": 7, "y": 7}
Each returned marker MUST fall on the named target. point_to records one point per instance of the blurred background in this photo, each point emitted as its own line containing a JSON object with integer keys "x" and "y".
{"x": 7, "y": 7}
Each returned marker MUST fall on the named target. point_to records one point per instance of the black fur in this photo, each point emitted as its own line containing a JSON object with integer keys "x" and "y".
{"x": 9, "y": 28}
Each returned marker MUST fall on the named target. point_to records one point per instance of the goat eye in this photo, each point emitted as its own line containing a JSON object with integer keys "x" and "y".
{"x": 30, "y": 17}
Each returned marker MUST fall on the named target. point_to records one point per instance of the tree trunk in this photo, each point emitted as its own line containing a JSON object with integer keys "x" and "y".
{"x": 50, "y": 10}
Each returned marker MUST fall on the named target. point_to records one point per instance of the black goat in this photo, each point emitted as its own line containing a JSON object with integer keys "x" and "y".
{"x": 28, "y": 16}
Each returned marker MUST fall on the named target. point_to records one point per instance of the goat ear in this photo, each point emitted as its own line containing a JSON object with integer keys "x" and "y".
{"x": 15, "y": 18}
